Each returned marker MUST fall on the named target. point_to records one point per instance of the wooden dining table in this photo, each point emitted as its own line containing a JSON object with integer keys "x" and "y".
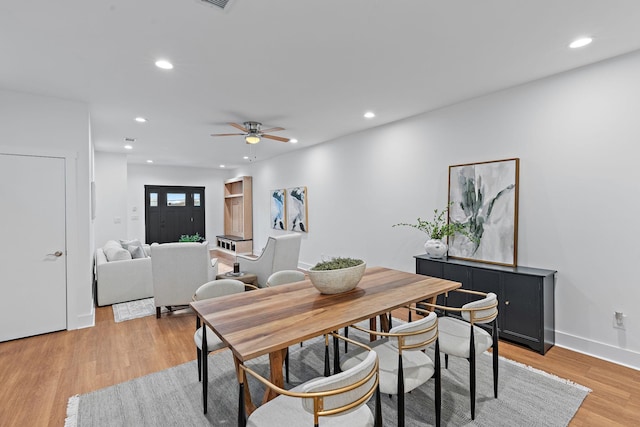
{"x": 269, "y": 320}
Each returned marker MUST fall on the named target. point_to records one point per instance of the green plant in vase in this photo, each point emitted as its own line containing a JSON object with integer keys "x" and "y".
{"x": 438, "y": 228}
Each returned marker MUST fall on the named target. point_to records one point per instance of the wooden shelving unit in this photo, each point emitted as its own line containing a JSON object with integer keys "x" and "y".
{"x": 238, "y": 216}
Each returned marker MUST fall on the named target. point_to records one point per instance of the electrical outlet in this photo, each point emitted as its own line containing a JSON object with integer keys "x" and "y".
{"x": 619, "y": 320}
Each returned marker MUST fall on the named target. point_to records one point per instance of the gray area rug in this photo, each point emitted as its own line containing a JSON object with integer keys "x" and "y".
{"x": 173, "y": 397}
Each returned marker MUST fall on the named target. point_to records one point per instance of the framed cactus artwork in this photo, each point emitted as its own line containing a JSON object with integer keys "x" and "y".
{"x": 484, "y": 198}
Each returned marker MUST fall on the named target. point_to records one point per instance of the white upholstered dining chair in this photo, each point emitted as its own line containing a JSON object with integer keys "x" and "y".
{"x": 404, "y": 365}
{"x": 282, "y": 278}
{"x": 335, "y": 401}
{"x": 285, "y": 276}
{"x": 213, "y": 289}
{"x": 462, "y": 337}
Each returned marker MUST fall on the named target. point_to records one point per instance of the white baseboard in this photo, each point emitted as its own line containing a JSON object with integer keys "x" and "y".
{"x": 304, "y": 265}
{"x": 84, "y": 321}
{"x": 620, "y": 356}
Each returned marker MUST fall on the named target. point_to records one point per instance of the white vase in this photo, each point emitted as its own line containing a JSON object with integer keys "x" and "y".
{"x": 435, "y": 248}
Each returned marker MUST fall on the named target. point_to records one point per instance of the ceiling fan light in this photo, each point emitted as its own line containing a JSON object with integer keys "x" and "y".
{"x": 252, "y": 139}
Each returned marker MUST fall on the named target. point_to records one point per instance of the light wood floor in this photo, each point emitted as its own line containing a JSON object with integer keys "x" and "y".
{"x": 39, "y": 374}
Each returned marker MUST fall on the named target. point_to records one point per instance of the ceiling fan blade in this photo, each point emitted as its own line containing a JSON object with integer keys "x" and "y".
{"x": 242, "y": 128}
{"x": 226, "y": 134}
{"x": 277, "y": 138}
{"x": 272, "y": 130}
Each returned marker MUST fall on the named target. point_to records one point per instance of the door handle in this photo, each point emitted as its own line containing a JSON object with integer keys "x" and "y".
{"x": 56, "y": 254}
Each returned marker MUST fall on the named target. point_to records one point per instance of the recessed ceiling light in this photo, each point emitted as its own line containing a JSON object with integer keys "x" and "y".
{"x": 246, "y": 157}
{"x": 149, "y": 161}
{"x": 293, "y": 141}
{"x": 580, "y": 42}
{"x": 164, "y": 64}
{"x": 141, "y": 120}
{"x": 129, "y": 147}
{"x": 369, "y": 115}
{"x": 221, "y": 166}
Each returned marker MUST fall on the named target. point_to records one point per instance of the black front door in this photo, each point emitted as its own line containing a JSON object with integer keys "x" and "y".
{"x": 171, "y": 211}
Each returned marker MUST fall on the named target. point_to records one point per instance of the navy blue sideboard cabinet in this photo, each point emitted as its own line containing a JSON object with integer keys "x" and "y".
{"x": 525, "y": 296}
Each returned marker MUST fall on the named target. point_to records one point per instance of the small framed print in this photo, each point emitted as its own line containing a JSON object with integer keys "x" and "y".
{"x": 297, "y": 214}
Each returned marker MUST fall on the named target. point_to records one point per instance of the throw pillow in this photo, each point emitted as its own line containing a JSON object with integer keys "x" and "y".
{"x": 136, "y": 252}
{"x": 116, "y": 254}
{"x": 111, "y": 244}
{"x": 126, "y": 243}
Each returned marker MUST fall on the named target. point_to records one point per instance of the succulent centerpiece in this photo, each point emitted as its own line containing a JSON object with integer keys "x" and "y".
{"x": 337, "y": 275}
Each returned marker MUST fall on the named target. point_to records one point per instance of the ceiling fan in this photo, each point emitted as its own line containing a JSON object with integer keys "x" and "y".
{"x": 253, "y": 132}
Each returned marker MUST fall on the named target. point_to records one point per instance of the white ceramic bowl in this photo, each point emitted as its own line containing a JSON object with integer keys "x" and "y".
{"x": 337, "y": 281}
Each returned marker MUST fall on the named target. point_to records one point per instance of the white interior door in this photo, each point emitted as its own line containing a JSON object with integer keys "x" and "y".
{"x": 33, "y": 251}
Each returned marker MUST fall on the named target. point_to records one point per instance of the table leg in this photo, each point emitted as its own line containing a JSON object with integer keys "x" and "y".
{"x": 276, "y": 359}
{"x": 384, "y": 323}
{"x": 431, "y": 300}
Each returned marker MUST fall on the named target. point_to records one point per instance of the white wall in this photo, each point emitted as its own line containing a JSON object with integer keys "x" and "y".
{"x": 39, "y": 125}
{"x": 576, "y": 136}
{"x": 141, "y": 175}
{"x": 111, "y": 197}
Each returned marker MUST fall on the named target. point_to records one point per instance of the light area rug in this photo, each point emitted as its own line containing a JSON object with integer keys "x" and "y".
{"x": 134, "y": 309}
{"x": 526, "y": 397}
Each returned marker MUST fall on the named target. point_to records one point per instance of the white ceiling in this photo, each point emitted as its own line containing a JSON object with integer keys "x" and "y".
{"x": 312, "y": 67}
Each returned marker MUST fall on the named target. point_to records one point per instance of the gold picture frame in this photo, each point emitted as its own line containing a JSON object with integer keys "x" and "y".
{"x": 484, "y": 198}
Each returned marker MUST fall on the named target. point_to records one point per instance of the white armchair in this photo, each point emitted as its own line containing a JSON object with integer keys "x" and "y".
{"x": 280, "y": 253}
{"x": 179, "y": 269}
